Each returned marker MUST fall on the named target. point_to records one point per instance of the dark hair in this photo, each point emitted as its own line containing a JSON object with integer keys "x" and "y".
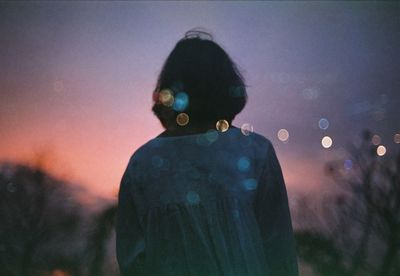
{"x": 212, "y": 88}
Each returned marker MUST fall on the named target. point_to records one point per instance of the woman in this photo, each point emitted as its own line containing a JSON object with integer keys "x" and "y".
{"x": 203, "y": 197}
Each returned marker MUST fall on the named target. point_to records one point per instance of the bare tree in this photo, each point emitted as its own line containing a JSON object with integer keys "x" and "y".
{"x": 363, "y": 220}
{"x": 38, "y": 216}
{"x": 99, "y": 235}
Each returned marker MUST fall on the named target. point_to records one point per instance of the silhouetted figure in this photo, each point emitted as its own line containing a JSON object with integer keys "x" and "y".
{"x": 203, "y": 197}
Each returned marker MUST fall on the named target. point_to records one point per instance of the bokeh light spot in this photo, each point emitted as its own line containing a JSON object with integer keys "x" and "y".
{"x": 246, "y": 129}
{"x": 157, "y": 161}
{"x": 202, "y": 140}
{"x": 222, "y": 125}
{"x": 211, "y": 135}
{"x": 192, "y": 197}
{"x": 212, "y": 177}
{"x": 207, "y": 138}
{"x": 381, "y": 150}
{"x": 348, "y": 164}
{"x": 326, "y": 142}
{"x": 310, "y": 93}
{"x": 250, "y": 184}
{"x": 376, "y": 139}
{"x": 58, "y": 86}
{"x": 11, "y": 187}
{"x": 396, "y": 138}
{"x": 181, "y": 101}
{"x": 283, "y": 135}
{"x": 166, "y": 97}
{"x": 243, "y": 164}
{"x": 182, "y": 119}
{"x": 323, "y": 123}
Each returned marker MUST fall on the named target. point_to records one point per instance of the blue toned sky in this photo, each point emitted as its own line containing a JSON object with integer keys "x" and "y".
{"x": 77, "y": 79}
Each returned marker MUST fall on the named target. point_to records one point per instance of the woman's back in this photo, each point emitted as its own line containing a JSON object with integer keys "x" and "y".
{"x": 213, "y": 203}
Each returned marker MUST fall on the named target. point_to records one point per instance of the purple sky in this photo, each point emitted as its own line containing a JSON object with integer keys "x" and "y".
{"x": 77, "y": 78}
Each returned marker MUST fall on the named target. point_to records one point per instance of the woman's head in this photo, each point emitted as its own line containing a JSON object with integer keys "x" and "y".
{"x": 199, "y": 79}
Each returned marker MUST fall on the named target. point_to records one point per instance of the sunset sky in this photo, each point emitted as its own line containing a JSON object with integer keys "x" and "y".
{"x": 77, "y": 79}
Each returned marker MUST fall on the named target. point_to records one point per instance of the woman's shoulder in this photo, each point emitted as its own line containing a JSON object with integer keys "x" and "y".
{"x": 258, "y": 141}
{"x": 144, "y": 150}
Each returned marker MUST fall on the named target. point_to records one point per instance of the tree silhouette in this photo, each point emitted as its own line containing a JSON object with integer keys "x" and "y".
{"x": 100, "y": 233}
{"x": 38, "y": 216}
{"x": 363, "y": 220}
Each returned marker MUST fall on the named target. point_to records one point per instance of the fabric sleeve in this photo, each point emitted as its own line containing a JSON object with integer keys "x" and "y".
{"x": 274, "y": 219}
{"x": 130, "y": 240}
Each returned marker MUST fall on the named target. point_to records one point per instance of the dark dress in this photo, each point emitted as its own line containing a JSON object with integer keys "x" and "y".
{"x": 205, "y": 204}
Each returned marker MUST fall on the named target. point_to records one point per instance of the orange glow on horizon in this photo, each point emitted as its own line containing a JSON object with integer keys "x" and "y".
{"x": 96, "y": 157}
{"x": 86, "y": 153}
